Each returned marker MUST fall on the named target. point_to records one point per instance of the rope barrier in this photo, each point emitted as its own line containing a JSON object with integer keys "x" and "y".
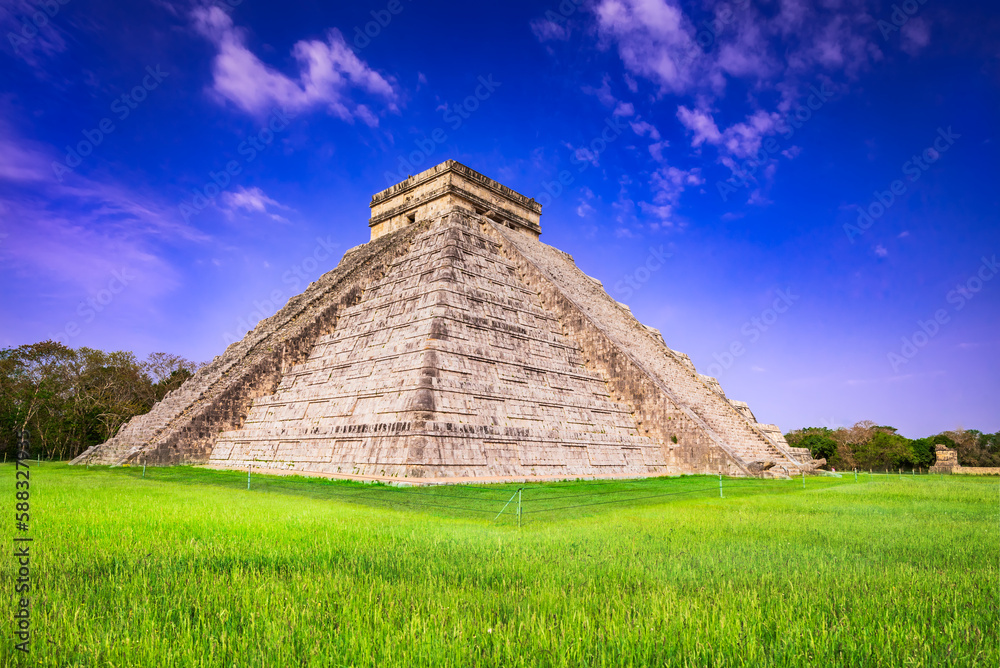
{"x": 544, "y": 494}
{"x": 641, "y": 498}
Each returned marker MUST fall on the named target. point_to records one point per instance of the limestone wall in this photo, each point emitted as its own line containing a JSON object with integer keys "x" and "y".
{"x": 975, "y": 470}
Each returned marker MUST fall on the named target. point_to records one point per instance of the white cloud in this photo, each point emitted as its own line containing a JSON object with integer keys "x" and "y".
{"x": 881, "y": 251}
{"x": 328, "y": 71}
{"x": 253, "y": 200}
{"x": 739, "y": 140}
{"x": 624, "y": 109}
{"x": 643, "y": 129}
{"x": 743, "y": 139}
{"x": 668, "y": 184}
{"x": 584, "y": 154}
{"x": 758, "y": 198}
{"x": 654, "y": 40}
{"x": 656, "y": 150}
{"x": 916, "y": 34}
{"x": 546, "y": 30}
{"x": 603, "y": 93}
{"x": 701, "y": 124}
{"x": 778, "y": 54}
{"x": 792, "y": 152}
{"x": 783, "y": 52}
{"x": 585, "y": 209}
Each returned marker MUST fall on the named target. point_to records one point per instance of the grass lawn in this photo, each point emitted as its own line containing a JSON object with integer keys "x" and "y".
{"x": 185, "y": 567}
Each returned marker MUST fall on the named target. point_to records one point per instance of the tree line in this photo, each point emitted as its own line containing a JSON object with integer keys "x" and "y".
{"x": 70, "y": 399}
{"x": 868, "y": 445}
{"x": 67, "y": 400}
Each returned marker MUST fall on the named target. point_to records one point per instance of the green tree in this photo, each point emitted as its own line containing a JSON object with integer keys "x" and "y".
{"x": 820, "y": 446}
{"x": 923, "y": 452}
{"x": 885, "y": 450}
{"x": 69, "y": 399}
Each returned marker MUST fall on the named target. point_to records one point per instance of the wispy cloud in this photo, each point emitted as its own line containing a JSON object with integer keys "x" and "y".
{"x": 916, "y": 34}
{"x": 654, "y": 40}
{"x": 775, "y": 55}
{"x": 76, "y": 232}
{"x": 668, "y": 184}
{"x": 253, "y": 200}
{"x": 699, "y": 122}
{"x": 547, "y": 30}
{"x": 32, "y": 37}
{"x": 772, "y": 51}
{"x": 328, "y": 72}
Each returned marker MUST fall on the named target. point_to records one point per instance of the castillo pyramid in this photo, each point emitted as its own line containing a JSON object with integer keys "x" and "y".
{"x": 454, "y": 345}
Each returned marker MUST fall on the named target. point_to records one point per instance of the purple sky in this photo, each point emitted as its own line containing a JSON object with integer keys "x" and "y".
{"x": 800, "y": 195}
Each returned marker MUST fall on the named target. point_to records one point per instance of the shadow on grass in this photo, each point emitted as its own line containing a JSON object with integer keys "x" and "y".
{"x": 540, "y": 502}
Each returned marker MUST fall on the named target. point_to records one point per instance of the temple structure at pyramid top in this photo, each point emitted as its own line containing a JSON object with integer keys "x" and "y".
{"x": 455, "y": 345}
{"x": 447, "y": 186}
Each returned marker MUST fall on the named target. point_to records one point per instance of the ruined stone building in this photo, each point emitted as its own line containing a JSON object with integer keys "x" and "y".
{"x": 454, "y": 344}
{"x": 946, "y": 461}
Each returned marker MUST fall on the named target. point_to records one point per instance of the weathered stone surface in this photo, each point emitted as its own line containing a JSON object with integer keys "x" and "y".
{"x": 184, "y": 425}
{"x": 431, "y": 193}
{"x": 455, "y": 345}
{"x": 947, "y": 462}
{"x": 946, "y": 459}
{"x": 758, "y": 468}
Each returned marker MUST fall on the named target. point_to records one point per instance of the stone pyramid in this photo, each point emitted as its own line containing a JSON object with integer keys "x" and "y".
{"x": 454, "y": 345}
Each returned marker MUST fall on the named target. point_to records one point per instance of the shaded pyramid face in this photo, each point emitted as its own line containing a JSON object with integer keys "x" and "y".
{"x": 454, "y": 345}
{"x": 448, "y": 366}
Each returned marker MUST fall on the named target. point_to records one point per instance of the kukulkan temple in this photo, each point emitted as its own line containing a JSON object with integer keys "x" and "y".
{"x": 454, "y": 345}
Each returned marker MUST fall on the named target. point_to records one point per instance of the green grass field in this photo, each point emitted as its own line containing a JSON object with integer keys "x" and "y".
{"x": 187, "y": 568}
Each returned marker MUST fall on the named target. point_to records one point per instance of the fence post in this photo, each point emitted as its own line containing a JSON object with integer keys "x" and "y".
{"x": 144, "y": 468}
{"x": 518, "y": 495}
{"x": 519, "y": 508}
{"x": 248, "y": 476}
{"x": 855, "y": 475}
{"x": 720, "y": 486}
{"x": 803, "y": 478}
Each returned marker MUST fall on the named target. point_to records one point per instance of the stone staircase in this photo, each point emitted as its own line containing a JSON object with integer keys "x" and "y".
{"x": 183, "y": 426}
{"x": 674, "y": 374}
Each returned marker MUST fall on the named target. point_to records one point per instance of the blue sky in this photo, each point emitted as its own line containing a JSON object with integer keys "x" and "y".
{"x": 802, "y": 196}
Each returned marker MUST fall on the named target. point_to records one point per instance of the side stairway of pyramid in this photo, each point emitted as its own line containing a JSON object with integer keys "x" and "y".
{"x": 454, "y": 345}
{"x": 674, "y": 404}
{"x": 183, "y": 426}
